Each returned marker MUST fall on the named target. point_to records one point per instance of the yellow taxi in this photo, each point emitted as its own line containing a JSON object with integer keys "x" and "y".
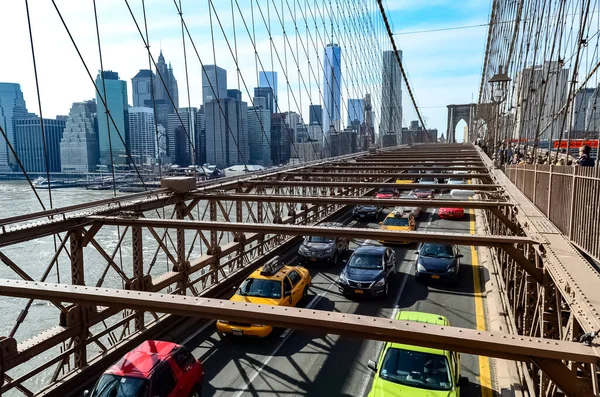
{"x": 272, "y": 284}
{"x": 401, "y": 181}
{"x": 399, "y": 220}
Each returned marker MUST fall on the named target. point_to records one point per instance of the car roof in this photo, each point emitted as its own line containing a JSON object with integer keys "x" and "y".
{"x": 405, "y": 214}
{"x": 277, "y": 276}
{"x": 141, "y": 361}
{"x": 331, "y": 224}
{"x": 420, "y": 317}
{"x": 370, "y": 249}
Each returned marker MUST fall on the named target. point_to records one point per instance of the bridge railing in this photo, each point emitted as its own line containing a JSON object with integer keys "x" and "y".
{"x": 568, "y": 196}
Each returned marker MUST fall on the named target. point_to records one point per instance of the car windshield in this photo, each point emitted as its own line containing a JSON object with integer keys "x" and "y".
{"x": 390, "y": 221}
{"x": 416, "y": 369}
{"x": 261, "y": 288}
{"x": 437, "y": 250}
{"x": 319, "y": 239}
{"x": 386, "y": 190}
{"x": 422, "y": 190}
{"x": 120, "y": 386}
{"x": 365, "y": 261}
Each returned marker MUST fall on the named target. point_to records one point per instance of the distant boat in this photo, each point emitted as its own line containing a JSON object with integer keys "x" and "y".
{"x": 240, "y": 170}
{"x": 99, "y": 187}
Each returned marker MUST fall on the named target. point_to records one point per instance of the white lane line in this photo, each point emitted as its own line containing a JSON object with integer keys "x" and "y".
{"x": 365, "y": 383}
{"x": 195, "y": 334}
{"x": 284, "y": 337}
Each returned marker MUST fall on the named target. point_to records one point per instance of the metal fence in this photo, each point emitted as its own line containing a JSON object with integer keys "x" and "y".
{"x": 568, "y": 196}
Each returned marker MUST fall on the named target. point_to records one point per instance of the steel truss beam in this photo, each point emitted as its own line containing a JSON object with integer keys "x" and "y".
{"x": 413, "y": 163}
{"x": 366, "y": 185}
{"x": 298, "y": 230}
{"x": 548, "y": 354}
{"x": 398, "y": 237}
{"x": 399, "y": 168}
{"x": 354, "y": 200}
{"x": 383, "y": 175}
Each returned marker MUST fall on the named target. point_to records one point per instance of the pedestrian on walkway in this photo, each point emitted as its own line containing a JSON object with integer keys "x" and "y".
{"x": 585, "y": 159}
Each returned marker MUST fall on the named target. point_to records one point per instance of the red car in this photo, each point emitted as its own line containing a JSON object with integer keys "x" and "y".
{"x": 451, "y": 213}
{"x": 423, "y": 193}
{"x": 154, "y": 368}
{"x": 387, "y": 193}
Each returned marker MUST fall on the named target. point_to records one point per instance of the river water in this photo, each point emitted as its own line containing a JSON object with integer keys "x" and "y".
{"x": 34, "y": 257}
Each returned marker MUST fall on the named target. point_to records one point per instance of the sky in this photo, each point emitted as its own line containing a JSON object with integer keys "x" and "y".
{"x": 443, "y": 67}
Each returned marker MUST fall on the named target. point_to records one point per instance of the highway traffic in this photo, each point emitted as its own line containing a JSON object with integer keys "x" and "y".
{"x": 295, "y": 363}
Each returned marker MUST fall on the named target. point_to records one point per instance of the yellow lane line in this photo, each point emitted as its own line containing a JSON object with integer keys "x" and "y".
{"x": 484, "y": 362}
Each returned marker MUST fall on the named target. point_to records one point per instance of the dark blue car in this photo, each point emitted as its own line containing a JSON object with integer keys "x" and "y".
{"x": 368, "y": 272}
{"x": 438, "y": 262}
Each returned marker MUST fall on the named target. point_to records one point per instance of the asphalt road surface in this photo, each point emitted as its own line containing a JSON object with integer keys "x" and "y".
{"x": 297, "y": 363}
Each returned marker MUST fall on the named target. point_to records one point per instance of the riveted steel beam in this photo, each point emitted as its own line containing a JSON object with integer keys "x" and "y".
{"x": 506, "y": 346}
{"x": 297, "y": 230}
{"x": 383, "y": 175}
{"x": 367, "y": 185}
{"x": 412, "y": 163}
{"x": 355, "y": 200}
{"x": 399, "y": 168}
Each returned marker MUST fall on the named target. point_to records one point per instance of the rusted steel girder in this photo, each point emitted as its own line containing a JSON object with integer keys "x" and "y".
{"x": 471, "y": 341}
{"x": 399, "y": 168}
{"x": 383, "y": 175}
{"x": 298, "y": 230}
{"x": 408, "y": 163}
{"x": 367, "y": 185}
{"x": 416, "y": 158}
{"x": 355, "y": 200}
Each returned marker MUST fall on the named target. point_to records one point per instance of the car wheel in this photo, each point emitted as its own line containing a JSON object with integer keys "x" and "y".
{"x": 196, "y": 391}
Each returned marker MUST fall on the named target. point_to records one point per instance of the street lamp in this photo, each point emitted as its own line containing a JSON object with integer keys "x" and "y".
{"x": 499, "y": 83}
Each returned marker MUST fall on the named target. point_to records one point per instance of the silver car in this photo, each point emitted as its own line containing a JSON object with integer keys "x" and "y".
{"x": 323, "y": 249}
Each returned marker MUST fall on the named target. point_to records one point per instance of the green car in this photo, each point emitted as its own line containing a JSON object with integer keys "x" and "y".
{"x": 404, "y": 370}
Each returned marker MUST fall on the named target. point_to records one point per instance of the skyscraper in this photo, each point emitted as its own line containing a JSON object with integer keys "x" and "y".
{"x": 12, "y": 105}
{"x": 200, "y": 139}
{"x": 180, "y": 136}
{"x": 29, "y": 143}
{"x": 165, "y": 84}
{"x": 293, "y": 120}
{"x": 356, "y": 111}
{"x": 391, "y": 98}
{"x": 281, "y": 139}
{"x": 315, "y": 114}
{"x": 579, "y": 110}
{"x": 141, "y": 88}
{"x": 108, "y": 135}
{"x": 214, "y": 83}
{"x": 267, "y": 93}
{"x": 269, "y": 79}
{"x": 79, "y": 143}
{"x": 332, "y": 82}
{"x": 226, "y": 132}
{"x": 142, "y": 135}
{"x": 259, "y": 133}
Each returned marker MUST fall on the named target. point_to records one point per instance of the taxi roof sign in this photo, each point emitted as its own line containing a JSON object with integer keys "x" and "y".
{"x": 272, "y": 267}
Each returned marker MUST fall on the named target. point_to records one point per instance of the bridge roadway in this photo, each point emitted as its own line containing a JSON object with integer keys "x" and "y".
{"x": 294, "y": 363}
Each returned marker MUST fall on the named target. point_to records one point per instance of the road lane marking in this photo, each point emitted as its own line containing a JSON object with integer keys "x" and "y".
{"x": 485, "y": 378}
{"x": 365, "y": 383}
{"x": 283, "y": 338}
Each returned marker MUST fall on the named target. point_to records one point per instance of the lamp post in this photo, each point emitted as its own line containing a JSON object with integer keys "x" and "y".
{"x": 499, "y": 83}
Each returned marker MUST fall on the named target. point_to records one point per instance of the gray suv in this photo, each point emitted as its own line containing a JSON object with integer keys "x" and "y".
{"x": 323, "y": 249}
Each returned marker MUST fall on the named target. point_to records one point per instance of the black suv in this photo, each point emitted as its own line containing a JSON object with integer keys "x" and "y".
{"x": 368, "y": 272}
